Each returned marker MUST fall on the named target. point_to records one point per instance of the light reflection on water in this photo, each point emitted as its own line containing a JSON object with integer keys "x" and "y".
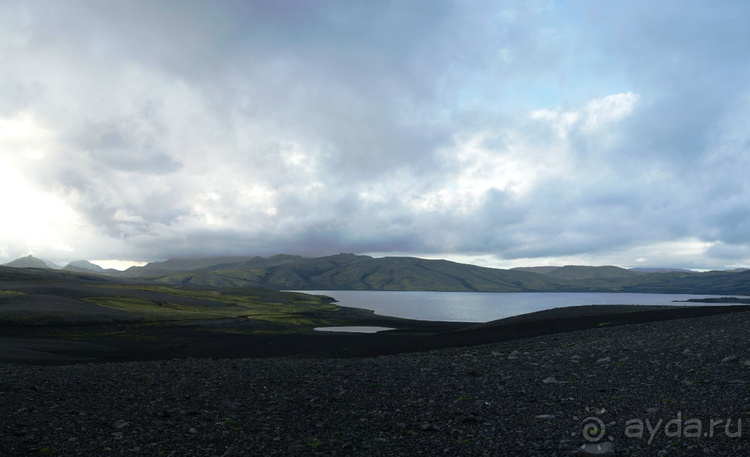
{"x": 486, "y": 306}
{"x": 353, "y": 329}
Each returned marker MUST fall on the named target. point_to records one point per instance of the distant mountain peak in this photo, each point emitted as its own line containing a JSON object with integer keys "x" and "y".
{"x": 86, "y": 265}
{"x": 32, "y": 262}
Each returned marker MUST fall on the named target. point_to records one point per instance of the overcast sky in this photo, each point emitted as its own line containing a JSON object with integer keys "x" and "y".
{"x": 501, "y": 133}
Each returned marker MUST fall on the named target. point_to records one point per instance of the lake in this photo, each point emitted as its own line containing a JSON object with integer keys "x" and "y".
{"x": 485, "y": 306}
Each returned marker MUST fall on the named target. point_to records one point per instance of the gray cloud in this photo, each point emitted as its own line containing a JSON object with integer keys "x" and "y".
{"x": 523, "y": 133}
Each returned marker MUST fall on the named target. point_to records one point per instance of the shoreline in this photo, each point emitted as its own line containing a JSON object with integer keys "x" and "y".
{"x": 231, "y": 340}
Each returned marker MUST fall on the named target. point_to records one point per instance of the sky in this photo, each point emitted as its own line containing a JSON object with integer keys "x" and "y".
{"x": 498, "y": 133}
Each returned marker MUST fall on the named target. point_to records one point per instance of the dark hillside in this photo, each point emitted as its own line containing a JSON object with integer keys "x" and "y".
{"x": 31, "y": 262}
{"x": 578, "y": 272}
{"x": 540, "y": 270}
{"x": 347, "y": 271}
{"x": 711, "y": 283}
{"x": 176, "y": 265}
{"x": 359, "y": 272}
{"x": 355, "y": 272}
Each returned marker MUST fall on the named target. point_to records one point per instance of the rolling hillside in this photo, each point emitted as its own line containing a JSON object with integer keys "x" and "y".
{"x": 354, "y": 272}
{"x": 579, "y": 272}
{"x": 347, "y": 271}
{"x": 360, "y": 272}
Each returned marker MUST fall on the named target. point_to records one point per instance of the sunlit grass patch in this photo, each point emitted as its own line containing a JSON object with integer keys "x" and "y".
{"x": 250, "y": 296}
{"x": 161, "y": 310}
{"x": 9, "y": 293}
{"x": 294, "y": 309}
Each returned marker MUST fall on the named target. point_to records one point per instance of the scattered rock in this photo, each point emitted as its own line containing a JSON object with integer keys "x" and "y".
{"x": 425, "y": 404}
{"x": 119, "y": 425}
{"x": 605, "y": 449}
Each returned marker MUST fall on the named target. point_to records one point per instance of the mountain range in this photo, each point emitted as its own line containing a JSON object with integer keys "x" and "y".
{"x": 360, "y": 272}
{"x": 79, "y": 266}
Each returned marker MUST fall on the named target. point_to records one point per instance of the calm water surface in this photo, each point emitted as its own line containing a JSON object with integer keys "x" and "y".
{"x": 484, "y": 306}
{"x": 353, "y": 329}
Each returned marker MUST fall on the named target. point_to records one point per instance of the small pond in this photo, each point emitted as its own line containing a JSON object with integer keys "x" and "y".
{"x": 353, "y": 329}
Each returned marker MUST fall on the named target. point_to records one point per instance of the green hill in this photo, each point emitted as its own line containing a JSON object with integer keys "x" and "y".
{"x": 47, "y": 298}
{"x": 352, "y": 272}
{"x": 360, "y": 272}
{"x": 356, "y": 272}
{"x": 207, "y": 264}
{"x": 578, "y": 272}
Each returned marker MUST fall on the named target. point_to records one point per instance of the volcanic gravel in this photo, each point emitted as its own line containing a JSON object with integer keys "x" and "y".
{"x": 533, "y": 396}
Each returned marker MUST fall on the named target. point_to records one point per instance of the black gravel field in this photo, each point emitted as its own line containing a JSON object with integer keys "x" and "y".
{"x": 662, "y": 387}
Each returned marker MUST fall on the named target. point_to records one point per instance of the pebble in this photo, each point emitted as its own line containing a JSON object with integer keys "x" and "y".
{"x": 120, "y": 424}
{"x": 603, "y": 449}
